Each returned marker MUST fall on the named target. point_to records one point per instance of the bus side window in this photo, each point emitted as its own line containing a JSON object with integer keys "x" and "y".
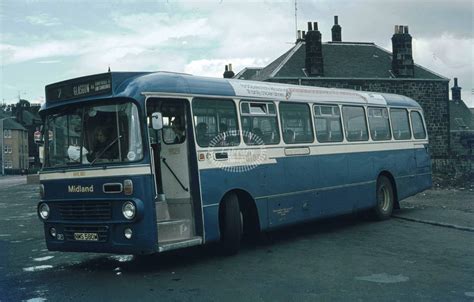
{"x": 259, "y": 123}
{"x": 296, "y": 123}
{"x": 379, "y": 124}
{"x": 327, "y": 120}
{"x": 400, "y": 124}
{"x": 419, "y": 131}
{"x": 355, "y": 123}
{"x": 215, "y": 122}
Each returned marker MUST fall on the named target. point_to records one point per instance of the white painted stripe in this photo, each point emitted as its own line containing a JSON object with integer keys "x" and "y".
{"x": 211, "y": 205}
{"x": 284, "y": 92}
{"x": 119, "y": 171}
{"x": 316, "y": 190}
{"x": 270, "y": 154}
{"x": 333, "y": 187}
{"x": 413, "y": 175}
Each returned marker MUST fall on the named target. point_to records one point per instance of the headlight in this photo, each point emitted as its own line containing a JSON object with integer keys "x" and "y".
{"x": 43, "y": 211}
{"x": 128, "y": 233}
{"x": 129, "y": 210}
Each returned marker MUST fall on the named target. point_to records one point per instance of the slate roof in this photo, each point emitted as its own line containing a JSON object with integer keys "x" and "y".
{"x": 30, "y": 118}
{"x": 341, "y": 60}
{"x": 247, "y": 73}
{"x": 460, "y": 115}
{"x": 12, "y": 125}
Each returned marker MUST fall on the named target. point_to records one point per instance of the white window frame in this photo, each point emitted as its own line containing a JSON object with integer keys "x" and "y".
{"x": 7, "y": 133}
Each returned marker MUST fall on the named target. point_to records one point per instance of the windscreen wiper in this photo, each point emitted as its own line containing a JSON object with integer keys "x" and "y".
{"x": 106, "y": 148}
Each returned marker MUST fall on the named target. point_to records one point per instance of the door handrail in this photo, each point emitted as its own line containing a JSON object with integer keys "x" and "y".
{"x": 176, "y": 177}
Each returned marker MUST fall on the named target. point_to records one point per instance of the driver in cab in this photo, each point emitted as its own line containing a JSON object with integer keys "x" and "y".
{"x": 104, "y": 146}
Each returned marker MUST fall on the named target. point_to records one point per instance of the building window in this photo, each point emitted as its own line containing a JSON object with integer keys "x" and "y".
{"x": 7, "y": 149}
{"x": 7, "y": 133}
{"x": 8, "y": 164}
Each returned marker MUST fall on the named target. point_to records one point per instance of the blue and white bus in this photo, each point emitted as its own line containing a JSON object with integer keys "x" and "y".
{"x": 139, "y": 163}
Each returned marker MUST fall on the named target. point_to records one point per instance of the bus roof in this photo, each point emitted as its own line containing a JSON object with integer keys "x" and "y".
{"x": 138, "y": 84}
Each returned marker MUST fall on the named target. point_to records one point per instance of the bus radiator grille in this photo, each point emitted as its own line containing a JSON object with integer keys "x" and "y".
{"x": 85, "y": 210}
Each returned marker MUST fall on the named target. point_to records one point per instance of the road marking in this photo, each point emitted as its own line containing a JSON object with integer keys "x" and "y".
{"x": 441, "y": 224}
{"x": 37, "y": 268}
{"x": 384, "y": 278}
{"x": 43, "y": 258}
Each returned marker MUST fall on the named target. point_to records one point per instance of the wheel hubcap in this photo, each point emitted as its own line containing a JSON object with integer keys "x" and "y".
{"x": 384, "y": 198}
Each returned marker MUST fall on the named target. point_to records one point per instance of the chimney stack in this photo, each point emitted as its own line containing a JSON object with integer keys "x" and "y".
{"x": 456, "y": 91}
{"x": 228, "y": 73}
{"x": 402, "y": 57}
{"x": 300, "y": 36}
{"x": 314, "y": 51}
{"x": 336, "y": 31}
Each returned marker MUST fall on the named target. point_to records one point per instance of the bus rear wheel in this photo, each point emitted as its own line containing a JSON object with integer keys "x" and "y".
{"x": 385, "y": 199}
{"x": 231, "y": 225}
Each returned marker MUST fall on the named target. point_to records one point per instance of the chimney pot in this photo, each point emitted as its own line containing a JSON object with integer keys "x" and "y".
{"x": 406, "y": 29}
{"x": 303, "y": 35}
{"x": 456, "y": 91}
{"x": 314, "y": 57}
{"x": 336, "y": 31}
{"x": 228, "y": 74}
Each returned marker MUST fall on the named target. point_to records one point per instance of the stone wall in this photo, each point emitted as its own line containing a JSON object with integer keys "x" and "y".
{"x": 432, "y": 95}
{"x": 455, "y": 170}
{"x": 462, "y": 142}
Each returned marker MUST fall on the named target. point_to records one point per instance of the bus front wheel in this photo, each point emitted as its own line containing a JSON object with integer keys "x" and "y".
{"x": 231, "y": 225}
{"x": 385, "y": 199}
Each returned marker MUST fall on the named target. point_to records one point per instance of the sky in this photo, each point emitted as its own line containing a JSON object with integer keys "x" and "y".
{"x": 43, "y": 42}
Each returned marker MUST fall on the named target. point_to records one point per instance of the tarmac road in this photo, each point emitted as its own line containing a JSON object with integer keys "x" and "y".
{"x": 9, "y": 181}
{"x": 343, "y": 259}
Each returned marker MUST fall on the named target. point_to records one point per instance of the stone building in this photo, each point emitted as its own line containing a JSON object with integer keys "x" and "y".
{"x": 365, "y": 66}
{"x": 27, "y": 115}
{"x": 15, "y": 146}
{"x": 461, "y": 134}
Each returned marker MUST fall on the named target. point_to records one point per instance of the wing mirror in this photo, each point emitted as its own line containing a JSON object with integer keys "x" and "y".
{"x": 157, "y": 120}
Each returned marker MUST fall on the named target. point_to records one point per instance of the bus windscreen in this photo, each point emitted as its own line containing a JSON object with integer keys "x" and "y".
{"x": 91, "y": 135}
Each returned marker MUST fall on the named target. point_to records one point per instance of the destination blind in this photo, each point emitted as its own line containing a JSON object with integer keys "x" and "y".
{"x": 81, "y": 87}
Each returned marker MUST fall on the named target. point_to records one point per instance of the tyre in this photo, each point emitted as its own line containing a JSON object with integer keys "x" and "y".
{"x": 385, "y": 199}
{"x": 231, "y": 225}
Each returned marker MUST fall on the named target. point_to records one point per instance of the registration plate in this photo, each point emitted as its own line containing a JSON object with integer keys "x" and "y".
{"x": 86, "y": 236}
